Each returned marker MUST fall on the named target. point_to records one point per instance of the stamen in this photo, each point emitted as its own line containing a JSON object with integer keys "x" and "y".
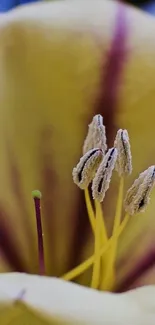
{"x": 99, "y": 211}
{"x": 103, "y": 175}
{"x": 118, "y": 214}
{"x": 109, "y": 276}
{"x": 124, "y": 159}
{"x": 95, "y": 166}
{"x": 131, "y": 193}
{"x": 100, "y": 240}
{"x": 90, "y": 210}
{"x": 97, "y": 258}
{"x": 137, "y": 197}
{"x": 81, "y": 268}
{"x": 100, "y": 234}
{"x": 85, "y": 170}
{"x": 96, "y": 137}
{"x": 37, "y": 197}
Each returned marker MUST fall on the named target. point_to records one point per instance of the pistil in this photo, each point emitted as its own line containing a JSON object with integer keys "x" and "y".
{"x": 37, "y": 198}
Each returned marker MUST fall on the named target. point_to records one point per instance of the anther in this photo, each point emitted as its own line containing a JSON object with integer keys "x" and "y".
{"x": 103, "y": 175}
{"x": 138, "y": 196}
{"x": 96, "y": 137}
{"x": 85, "y": 170}
{"x": 124, "y": 158}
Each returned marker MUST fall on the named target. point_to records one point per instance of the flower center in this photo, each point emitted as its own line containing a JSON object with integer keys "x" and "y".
{"x": 104, "y": 257}
{"x": 95, "y": 168}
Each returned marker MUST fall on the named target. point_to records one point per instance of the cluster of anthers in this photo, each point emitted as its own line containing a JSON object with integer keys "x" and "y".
{"x": 94, "y": 170}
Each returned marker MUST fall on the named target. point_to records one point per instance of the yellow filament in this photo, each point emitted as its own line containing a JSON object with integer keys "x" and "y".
{"x": 104, "y": 236}
{"x": 99, "y": 230}
{"x": 109, "y": 276}
{"x": 81, "y": 268}
{"x": 90, "y": 210}
{"x": 97, "y": 258}
{"x": 104, "y": 239}
{"x": 119, "y": 205}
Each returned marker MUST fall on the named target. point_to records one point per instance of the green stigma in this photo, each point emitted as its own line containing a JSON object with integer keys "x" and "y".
{"x": 36, "y": 194}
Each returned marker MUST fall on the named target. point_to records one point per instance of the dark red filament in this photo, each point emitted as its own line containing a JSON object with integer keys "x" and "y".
{"x": 40, "y": 236}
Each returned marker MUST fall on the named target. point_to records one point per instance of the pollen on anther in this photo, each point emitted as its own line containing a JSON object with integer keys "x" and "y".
{"x": 85, "y": 170}
{"x": 96, "y": 136}
{"x": 138, "y": 196}
{"x": 124, "y": 158}
{"x": 103, "y": 175}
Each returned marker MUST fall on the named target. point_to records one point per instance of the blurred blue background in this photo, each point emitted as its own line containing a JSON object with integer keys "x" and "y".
{"x": 9, "y": 4}
{"x": 147, "y": 5}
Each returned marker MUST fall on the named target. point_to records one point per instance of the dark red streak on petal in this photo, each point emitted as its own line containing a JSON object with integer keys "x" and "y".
{"x": 16, "y": 185}
{"x": 47, "y": 186}
{"x": 81, "y": 231}
{"x": 145, "y": 265}
{"x": 7, "y": 246}
{"x": 106, "y": 104}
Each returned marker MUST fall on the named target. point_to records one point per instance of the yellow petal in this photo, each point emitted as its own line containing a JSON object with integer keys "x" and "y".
{"x": 137, "y": 115}
{"x": 49, "y": 76}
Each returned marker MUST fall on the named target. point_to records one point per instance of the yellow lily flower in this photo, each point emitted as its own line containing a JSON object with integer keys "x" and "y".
{"x": 60, "y": 64}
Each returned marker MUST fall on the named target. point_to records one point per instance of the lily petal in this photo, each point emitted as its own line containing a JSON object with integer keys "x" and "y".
{"x": 50, "y": 298}
{"x": 50, "y": 71}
